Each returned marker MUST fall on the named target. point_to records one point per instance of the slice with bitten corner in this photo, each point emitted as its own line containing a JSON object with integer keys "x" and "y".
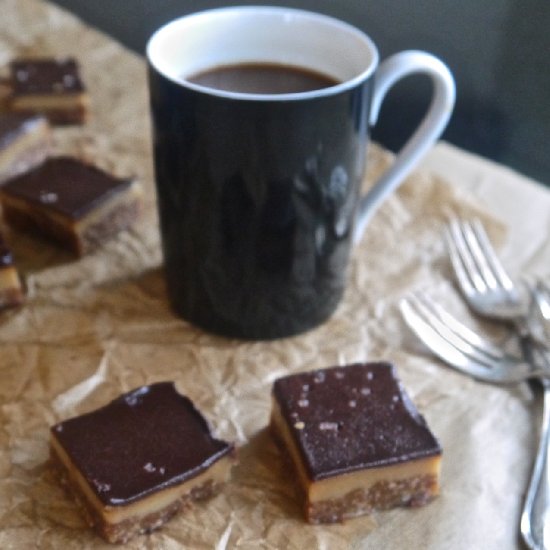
{"x": 51, "y": 86}
{"x": 140, "y": 460}
{"x": 356, "y": 441}
{"x": 25, "y": 142}
{"x": 71, "y": 202}
{"x": 11, "y": 291}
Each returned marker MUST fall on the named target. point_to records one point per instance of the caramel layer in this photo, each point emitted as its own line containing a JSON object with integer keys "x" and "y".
{"x": 46, "y": 102}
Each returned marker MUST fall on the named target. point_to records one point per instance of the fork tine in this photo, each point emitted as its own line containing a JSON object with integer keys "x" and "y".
{"x": 482, "y": 254}
{"x": 436, "y": 343}
{"x": 459, "y": 335}
{"x": 490, "y": 255}
{"x": 483, "y": 345}
{"x": 459, "y": 245}
{"x": 460, "y": 272}
{"x": 429, "y": 329}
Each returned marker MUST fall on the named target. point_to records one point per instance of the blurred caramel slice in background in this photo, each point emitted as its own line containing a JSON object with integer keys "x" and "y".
{"x": 72, "y": 203}
{"x": 51, "y": 86}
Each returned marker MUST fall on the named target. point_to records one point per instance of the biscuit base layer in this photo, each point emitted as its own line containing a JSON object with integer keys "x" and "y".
{"x": 383, "y": 495}
{"x": 118, "y": 524}
{"x": 347, "y": 495}
{"x": 80, "y": 236}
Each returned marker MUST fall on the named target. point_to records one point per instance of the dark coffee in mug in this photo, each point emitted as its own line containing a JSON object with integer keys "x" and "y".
{"x": 259, "y": 164}
{"x": 262, "y": 78}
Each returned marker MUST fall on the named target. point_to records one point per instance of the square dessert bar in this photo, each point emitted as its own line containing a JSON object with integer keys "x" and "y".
{"x": 25, "y": 142}
{"x": 11, "y": 292}
{"x": 73, "y": 203}
{"x": 139, "y": 460}
{"x": 50, "y": 86}
{"x": 356, "y": 441}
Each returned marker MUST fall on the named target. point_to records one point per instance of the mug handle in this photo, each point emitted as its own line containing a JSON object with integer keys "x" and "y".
{"x": 395, "y": 68}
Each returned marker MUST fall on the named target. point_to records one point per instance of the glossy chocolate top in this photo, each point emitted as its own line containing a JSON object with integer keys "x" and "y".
{"x": 45, "y": 76}
{"x": 6, "y": 258}
{"x": 13, "y": 125}
{"x": 144, "y": 441}
{"x": 66, "y": 185}
{"x": 351, "y": 418}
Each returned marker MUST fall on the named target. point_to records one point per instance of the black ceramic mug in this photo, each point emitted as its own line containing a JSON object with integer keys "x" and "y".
{"x": 259, "y": 191}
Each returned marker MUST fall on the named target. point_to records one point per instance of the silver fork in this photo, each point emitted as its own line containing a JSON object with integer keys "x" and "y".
{"x": 487, "y": 287}
{"x": 490, "y": 292}
{"x": 475, "y": 356}
{"x": 535, "y": 518}
{"x": 463, "y": 349}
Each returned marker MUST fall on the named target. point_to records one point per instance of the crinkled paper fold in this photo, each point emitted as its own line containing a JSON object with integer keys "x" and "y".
{"x": 99, "y": 326}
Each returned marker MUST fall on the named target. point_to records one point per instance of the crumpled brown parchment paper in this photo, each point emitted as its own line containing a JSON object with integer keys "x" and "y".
{"x": 99, "y": 326}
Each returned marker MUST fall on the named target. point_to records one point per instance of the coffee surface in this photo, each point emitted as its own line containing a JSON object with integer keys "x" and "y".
{"x": 262, "y": 78}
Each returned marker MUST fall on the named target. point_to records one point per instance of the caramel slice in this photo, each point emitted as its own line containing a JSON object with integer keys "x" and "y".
{"x": 25, "y": 142}
{"x": 73, "y": 203}
{"x": 356, "y": 441}
{"x": 140, "y": 460}
{"x": 49, "y": 86}
{"x": 11, "y": 292}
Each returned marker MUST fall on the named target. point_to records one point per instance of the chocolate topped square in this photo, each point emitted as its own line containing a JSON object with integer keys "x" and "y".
{"x": 140, "y": 459}
{"x": 67, "y": 186}
{"x": 354, "y": 422}
{"x": 52, "y": 86}
{"x": 71, "y": 202}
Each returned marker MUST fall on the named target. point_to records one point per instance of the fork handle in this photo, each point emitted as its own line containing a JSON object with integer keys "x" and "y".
{"x": 535, "y": 518}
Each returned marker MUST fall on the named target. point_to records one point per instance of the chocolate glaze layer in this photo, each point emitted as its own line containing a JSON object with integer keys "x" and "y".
{"x": 45, "y": 76}
{"x": 143, "y": 441}
{"x": 66, "y": 185}
{"x": 350, "y": 418}
{"x": 13, "y": 125}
